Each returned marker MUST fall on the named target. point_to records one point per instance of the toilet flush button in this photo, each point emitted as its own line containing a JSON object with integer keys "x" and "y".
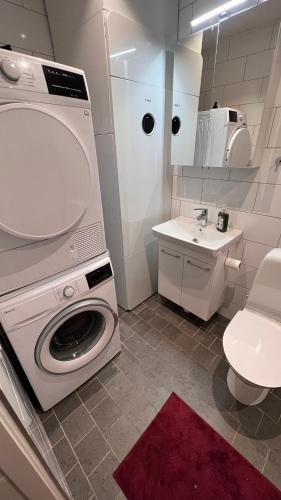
{"x": 68, "y": 291}
{"x": 10, "y": 69}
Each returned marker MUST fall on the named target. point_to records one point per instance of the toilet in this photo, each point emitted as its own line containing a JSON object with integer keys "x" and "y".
{"x": 252, "y": 340}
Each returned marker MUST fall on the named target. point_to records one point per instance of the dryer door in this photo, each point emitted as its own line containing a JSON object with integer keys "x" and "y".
{"x": 45, "y": 177}
{"x": 75, "y": 336}
{"x": 239, "y": 150}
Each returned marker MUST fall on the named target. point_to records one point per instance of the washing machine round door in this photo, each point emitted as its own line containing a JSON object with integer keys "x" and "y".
{"x": 239, "y": 150}
{"x": 45, "y": 177}
{"x": 75, "y": 336}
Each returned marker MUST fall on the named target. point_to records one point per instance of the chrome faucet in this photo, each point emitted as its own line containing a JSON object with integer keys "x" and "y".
{"x": 203, "y": 217}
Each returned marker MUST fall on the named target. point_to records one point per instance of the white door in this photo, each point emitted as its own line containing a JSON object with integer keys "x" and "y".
{"x": 75, "y": 336}
{"x": 45, "y": 178}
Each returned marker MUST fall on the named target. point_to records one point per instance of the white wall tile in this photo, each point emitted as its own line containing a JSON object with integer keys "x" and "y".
{"x": 175, "y": 208}
{"x": 275, "y": 32}
{"x": 229, "y": 310}
{"x": 37, "y": 5}
{"x": 250, "y": 42}
{"x": 239, "y": 195}
{"x": 184, "y": 3}
{"x": 243, "y": 92}
{"x": 230, "y": 71}
{"x": 188, "y": 187}
{"x": 185, "y": 18}
{"x": 254, "y": 253}
{"x": 222, "y": 50}
{"x": 236, "y": 294}
{"x": 269, "y": 172}
{"x": 236, "y": 251}
{"x": 258, "y": 65}
{"x": 16, "y": 21}
{"x": 258, "y": 228}
{"x": 268, "y": 200}
{"x": 253, "y": 112}
{"x": 275, "y": 136}
{"x": 244, "y": 276}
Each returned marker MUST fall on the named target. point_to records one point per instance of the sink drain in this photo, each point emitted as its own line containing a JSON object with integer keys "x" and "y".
{"x": 195, "y": 240}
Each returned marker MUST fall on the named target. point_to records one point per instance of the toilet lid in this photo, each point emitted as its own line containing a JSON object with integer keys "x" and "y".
{"x": 252, "y": 345}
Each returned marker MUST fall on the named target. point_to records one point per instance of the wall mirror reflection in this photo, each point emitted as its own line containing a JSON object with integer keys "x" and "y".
{"x": 231, "y": 66}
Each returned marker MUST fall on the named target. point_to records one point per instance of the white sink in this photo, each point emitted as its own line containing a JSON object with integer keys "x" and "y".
{"x": 188, "y": 232}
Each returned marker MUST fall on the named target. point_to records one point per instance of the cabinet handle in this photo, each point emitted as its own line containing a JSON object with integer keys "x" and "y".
{"x": 171, "y": 255}
{"x": 198, "y": 267}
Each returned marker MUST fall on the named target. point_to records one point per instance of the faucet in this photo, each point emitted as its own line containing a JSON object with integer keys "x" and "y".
{"x": 203, "y": 217}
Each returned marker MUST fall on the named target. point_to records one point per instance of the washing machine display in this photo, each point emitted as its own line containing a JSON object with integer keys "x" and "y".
{"x": 148, "y": 123}
{"x": 65, "y": 330}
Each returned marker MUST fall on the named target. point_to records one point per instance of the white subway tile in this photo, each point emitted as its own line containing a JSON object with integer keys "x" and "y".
{"x": 268, "y": 201}
{"x": 189, "y": 188}
{"x": 244, "y": 174}
{"x": 243, "y": 92}
{"x": 254, "y": 253}
{"x": 258, "y": 65}
{"x": 250, "y": 42}
{"x": 230, "y": 71}
{"x": 187, "y": 210}
{"x": 236, "y": 294}
{"x": 257, "y": 228}
{"x": 240, "y": 195}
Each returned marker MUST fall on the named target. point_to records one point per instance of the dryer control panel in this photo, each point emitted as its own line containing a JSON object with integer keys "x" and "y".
{"x": 27, "y": 73}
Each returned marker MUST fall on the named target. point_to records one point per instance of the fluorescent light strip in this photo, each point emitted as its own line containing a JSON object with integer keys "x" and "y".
{"x": 123, "y": 53}
{"x": 216, "y": 12}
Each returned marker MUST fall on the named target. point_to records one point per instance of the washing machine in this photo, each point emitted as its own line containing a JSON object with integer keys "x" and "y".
{"x": 50, "y": 205}
{"x": 62, "y": 331}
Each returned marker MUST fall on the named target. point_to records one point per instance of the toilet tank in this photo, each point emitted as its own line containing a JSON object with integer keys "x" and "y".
{"x": 265, "y": 294}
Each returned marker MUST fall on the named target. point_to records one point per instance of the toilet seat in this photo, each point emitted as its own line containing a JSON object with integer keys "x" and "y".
{"x": 252, "y": 345}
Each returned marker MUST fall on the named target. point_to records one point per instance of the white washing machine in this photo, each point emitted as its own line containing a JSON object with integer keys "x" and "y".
{"x": 50, "y": 205}
{"x": 63, "y": 331}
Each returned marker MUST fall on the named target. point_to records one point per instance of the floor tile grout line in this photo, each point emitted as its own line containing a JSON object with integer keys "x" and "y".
{"x": 102, "y": 433}
{"x": 78, "y": 461}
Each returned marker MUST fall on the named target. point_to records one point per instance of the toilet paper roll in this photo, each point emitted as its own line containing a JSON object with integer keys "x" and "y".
{"x": 233, "y": 263}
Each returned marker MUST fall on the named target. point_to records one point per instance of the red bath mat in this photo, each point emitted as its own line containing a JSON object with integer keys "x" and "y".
{"x": 180, "y": 457}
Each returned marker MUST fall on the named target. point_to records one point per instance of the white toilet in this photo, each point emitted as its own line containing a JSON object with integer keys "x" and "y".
{"x": 252, "y": 340}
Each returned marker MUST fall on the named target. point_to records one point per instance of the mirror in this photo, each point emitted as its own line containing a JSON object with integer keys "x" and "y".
{"x": 229, "y": 82}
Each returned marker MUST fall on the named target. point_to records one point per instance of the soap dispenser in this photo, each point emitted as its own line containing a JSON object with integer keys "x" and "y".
{"x": 222, "y": 221}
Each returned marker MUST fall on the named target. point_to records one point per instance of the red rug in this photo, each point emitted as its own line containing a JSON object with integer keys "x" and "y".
{"x": 180, "y": 457}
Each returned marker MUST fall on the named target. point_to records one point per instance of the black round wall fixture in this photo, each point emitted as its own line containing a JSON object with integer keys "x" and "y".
{"x": 148, "y": 123}
{"x": 176, "y": 125}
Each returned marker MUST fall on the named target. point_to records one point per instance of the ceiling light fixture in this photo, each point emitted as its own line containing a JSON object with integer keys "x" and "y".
{"x": 216, "y": 12}
{"x": 123, "y": 53}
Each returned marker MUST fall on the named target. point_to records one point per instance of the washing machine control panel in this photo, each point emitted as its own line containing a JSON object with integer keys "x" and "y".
{"x": 69, "y": 290}
{"x": 10, "y": 69}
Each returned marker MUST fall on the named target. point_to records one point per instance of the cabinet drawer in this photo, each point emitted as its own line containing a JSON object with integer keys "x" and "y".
{"x": 170, "y": 274}
{"x": 197, "y": 286}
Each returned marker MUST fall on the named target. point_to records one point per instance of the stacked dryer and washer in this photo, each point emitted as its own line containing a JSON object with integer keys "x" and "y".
{"x": 58, "y": 308}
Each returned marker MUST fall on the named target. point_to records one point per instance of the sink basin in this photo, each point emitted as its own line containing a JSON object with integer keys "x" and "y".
{"x": 186, "y": 231}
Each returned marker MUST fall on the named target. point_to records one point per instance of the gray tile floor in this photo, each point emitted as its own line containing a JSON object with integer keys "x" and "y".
{"x": 163, "y": 350}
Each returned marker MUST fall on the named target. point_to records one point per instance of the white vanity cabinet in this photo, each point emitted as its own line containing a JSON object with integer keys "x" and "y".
{"x": 193, "y": 280}
{"x": 170, "y": 273}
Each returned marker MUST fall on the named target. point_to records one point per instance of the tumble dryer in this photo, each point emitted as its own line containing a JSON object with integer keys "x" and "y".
{"x": 63, "y": 330}
{"x": 50, "y": 205}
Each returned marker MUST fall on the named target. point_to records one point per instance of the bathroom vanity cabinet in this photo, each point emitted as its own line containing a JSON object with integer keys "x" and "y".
{"x": 194, "y": 280}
